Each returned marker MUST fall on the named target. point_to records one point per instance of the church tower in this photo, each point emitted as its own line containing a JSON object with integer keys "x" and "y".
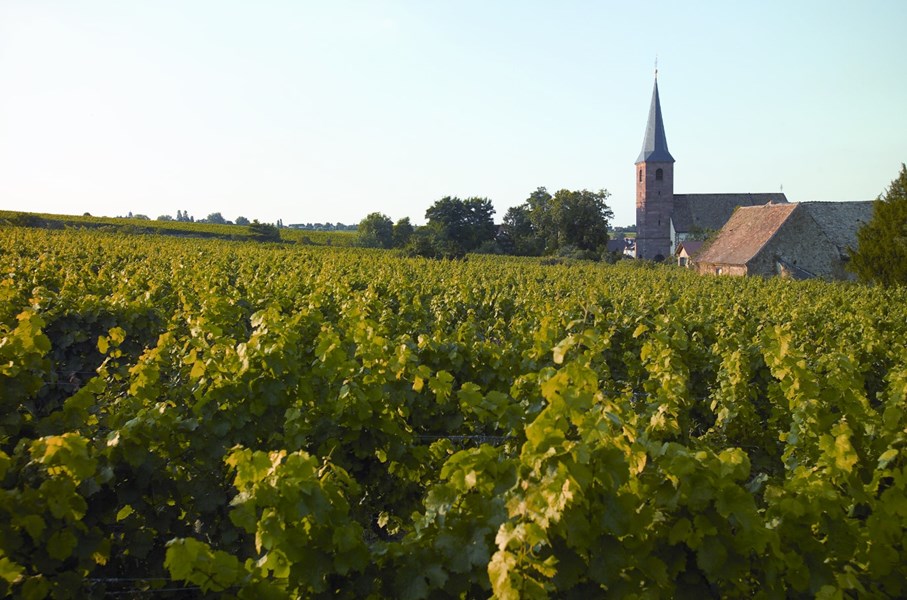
{"x": 654, "y": 188}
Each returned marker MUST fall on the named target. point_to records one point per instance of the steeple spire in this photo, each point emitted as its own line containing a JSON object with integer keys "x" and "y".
{"x": 655, "y": 144}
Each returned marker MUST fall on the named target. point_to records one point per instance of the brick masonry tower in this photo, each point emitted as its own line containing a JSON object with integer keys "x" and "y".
{"x": 654, "y": 188}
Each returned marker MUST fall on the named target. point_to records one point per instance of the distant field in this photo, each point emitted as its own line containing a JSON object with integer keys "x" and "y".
{"x": 319, "y": 238}
{"x": 175, "y": 228}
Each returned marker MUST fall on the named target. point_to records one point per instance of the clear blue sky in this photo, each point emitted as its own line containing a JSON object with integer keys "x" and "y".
{"x": 313, "y": 111}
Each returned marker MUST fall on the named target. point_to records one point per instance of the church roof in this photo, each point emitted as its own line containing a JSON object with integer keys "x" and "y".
{"x": 839, "y": 221}
{"x": 655, "y": 144}
{"x": 704, "y": 212}
{"x": 747, "y": 231}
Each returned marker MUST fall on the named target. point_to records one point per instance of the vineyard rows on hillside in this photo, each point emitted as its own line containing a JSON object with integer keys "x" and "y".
{"x": 275, "y": 421}
{"x": 134, "y": 226}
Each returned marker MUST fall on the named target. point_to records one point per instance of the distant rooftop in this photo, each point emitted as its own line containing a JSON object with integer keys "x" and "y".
{"x": 709, "y": 212}
{"x": 691, "y": 246}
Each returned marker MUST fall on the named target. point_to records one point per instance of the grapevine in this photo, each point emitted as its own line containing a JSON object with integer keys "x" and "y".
{"x": 287, "y": 421}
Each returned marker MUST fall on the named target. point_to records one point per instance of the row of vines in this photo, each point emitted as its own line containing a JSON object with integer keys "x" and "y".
{"x": 206, "y": 417}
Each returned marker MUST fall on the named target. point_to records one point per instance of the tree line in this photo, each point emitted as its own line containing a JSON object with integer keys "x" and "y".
{"x": 215, "y": 218}
{"x": 567, "y": 223}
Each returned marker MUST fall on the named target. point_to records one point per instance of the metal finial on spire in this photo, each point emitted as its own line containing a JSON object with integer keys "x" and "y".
{"x": 656, "y": 66}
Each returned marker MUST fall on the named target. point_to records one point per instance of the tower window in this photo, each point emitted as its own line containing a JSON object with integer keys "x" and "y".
{"x": 640, "y": 175}
{"x": 659, "y": 174}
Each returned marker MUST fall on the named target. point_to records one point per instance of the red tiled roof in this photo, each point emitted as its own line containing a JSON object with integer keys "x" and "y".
{"x": 747, "y": 231}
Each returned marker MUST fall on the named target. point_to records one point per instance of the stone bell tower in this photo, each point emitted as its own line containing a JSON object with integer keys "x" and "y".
{"x": 654, "y": 188}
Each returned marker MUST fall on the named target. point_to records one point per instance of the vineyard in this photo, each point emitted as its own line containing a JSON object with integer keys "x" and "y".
{"x": 191, "y": 417}
{"x": 133, "y": 226}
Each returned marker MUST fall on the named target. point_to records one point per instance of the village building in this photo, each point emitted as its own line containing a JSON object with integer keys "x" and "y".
{"x": 621, "y": 246}
{"x": 663, "y": 218}
{"x": 749, "y": 234}
{"x": 686, "y": 252}
{"x": 801, "y": 241}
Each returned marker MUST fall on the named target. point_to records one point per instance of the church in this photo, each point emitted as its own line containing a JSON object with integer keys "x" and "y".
{"x": 663, "y": 218}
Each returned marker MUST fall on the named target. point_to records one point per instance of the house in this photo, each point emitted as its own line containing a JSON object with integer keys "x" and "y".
{"x": 685, "y": 252}
{"x": 801, "y": 241}
{"x": 615, "y": 245}
{"x": 622, "y": 246}
{"x": 630, "y": 249}
{"x": 663, "y": 218}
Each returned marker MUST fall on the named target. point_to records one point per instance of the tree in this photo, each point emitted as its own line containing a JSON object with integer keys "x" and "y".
{"x": 518, "y": 235}
{"x": 423, "y": 242}
{"x": 165, "y": 218}
{"x": 242, "y": 221}
{"x": 457, "y": 226}
{"x": 216, "y": 218}
{"x": 376, "y": 230}
{"x": 575, "y": 222}
{"x": 479, "y": 221}
{"x": 701, "y": 234}
{"x": 581, "y": 219}
{"x": 540, "y": 214}
{"x": 263, "y": 232}
{"x": 403, "y": 231}
{"x": 881, "y": 253}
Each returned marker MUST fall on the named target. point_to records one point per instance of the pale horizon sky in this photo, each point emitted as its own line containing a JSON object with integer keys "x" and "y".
{"x": 327, "y": 111}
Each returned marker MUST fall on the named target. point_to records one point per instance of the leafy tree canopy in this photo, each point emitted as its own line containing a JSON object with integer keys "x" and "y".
{"x": 459, "y": 226}
{"x": 403, "y": 231}
{"x": 881, "y": 253}
{"x": 575, "y": 222}
{"x": 263, "y": 232}
{"x": 376, "y": 230}
{"x": 569, "y": 223}
{"x": 216, "y": 218}
{"x": 518, "y": 235}
{"x": 581, "y": 219}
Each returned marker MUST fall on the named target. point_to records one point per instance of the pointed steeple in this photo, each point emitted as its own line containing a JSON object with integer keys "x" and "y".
{"x": 655, "y": 144}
